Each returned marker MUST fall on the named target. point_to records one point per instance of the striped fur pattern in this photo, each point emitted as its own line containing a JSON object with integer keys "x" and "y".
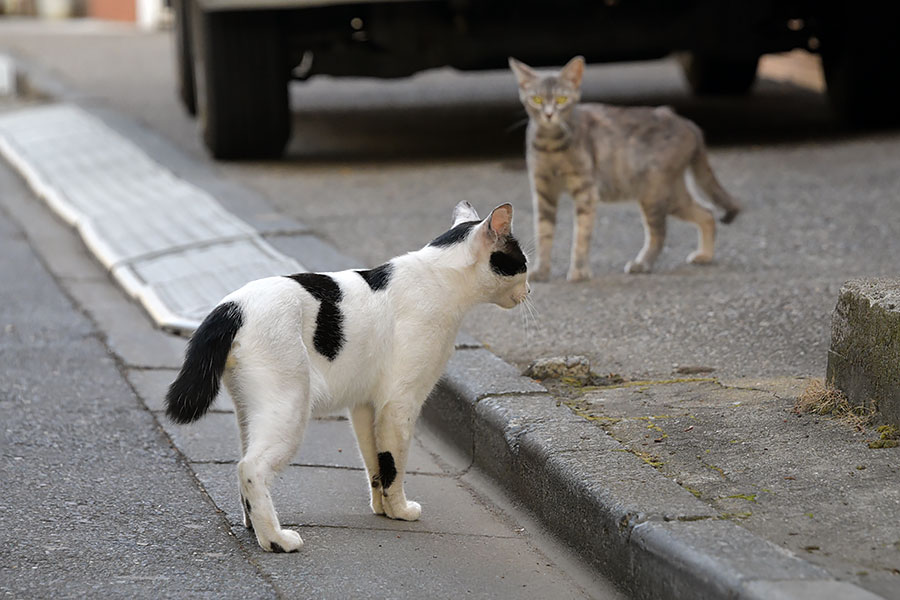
{"x": 601, "y": 153}
{"x": 371, "y": 342}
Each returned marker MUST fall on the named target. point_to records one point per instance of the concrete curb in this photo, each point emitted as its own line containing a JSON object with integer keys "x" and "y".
{"x": 636, "y": 526}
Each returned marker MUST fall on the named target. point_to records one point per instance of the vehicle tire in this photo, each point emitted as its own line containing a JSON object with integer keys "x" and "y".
{"x": 861, "y": 66}
{"x": 184, "y": 63}
{"x": 241, "y": 74}
{"x": 709, "y": 75}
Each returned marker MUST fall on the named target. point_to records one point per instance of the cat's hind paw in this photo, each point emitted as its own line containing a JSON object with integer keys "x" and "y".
{"x": 284, "y": 540}
{"x": 699, "y": 258}
{"x": 634, "y": 267}
{"x": 411, "y": 512}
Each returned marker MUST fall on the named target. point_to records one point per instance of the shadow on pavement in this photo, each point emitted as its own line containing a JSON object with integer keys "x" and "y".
{"x": 492, "y": 128}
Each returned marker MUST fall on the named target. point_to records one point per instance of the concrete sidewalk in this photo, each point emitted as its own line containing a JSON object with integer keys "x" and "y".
{"x": 686, "y": 486}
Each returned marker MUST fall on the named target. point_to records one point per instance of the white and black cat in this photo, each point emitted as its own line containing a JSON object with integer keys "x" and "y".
{"x": 374, "y": 342}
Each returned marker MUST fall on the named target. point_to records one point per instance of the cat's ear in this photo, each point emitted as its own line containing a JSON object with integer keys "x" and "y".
{"x": 524, "y": 74}
{"x": 464, "y": 212}
{"x": 499, "y": 224}
{"x": 573, "y": 71}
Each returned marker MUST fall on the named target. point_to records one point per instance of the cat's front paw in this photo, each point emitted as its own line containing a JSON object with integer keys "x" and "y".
{"x": 410, "y": 511}
{"x": 634, "y": 266}
{"x": 377, "y": 503}
{"x": 284, "y": 540}
{"x": 699, "y": 258}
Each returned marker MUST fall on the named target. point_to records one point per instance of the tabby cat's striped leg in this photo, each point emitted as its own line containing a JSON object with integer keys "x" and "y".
{"x": 545, "y": 200}
{"x": 585, "y": 198}
{"x": 654, "y": 215}
{"x": 688, "y": 209}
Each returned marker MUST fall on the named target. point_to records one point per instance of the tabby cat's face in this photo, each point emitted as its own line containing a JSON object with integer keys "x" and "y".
{"x": 549, "y": 97}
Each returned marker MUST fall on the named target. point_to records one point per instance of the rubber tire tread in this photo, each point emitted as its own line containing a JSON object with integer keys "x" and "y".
{"x": 184, "y": 61}
{"x": 246, "y": 112}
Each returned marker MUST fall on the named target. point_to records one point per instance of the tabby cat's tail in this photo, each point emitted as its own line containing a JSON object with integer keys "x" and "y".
{"x": 706, "y": 180}
{"x": 197, "y": 384}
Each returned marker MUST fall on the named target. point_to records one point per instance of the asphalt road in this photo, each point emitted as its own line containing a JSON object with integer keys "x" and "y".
{"x": 374, "y": 167}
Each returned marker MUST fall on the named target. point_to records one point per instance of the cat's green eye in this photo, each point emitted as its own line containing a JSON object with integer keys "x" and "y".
{"x": 562, "y": 99}
{"x": 537, "y": 99}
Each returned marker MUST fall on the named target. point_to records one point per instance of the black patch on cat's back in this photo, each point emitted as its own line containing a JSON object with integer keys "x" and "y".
{"x": 379, "y": 277}
{"x": 509, "y": 260}
{"x": 329, "y": 336}
{"x": 387, "y": 471}
{"x": 454, "y": 236}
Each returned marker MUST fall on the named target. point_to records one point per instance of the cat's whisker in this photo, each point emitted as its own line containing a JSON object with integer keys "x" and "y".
{"x": 535, "y": 313}
{"x": 530, "y": 248}
{"x": 530, "y": 316}
{"x": 527, "y": 322}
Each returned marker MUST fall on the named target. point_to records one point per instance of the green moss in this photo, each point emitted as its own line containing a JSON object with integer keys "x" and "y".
{"x": 718, "y": 470}
{"x": 747, "y": 497}
{"x": 583, "y": 410}
{"x": 695, "y": 492}
{"x": 652, "y": 460}
{"x": 884, "y": 444}
{"x": 889, "y": 432}
{"x": 889, "y": 437}
{"x": 647, "y": 383}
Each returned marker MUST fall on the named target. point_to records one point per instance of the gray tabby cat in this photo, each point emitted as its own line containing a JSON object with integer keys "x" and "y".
{"x": 597, "y": 152}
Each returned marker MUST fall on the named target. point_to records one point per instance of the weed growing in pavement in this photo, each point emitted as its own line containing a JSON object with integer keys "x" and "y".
{"x": 822, "y": 399}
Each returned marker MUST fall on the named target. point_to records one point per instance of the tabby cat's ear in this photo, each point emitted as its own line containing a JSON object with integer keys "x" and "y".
{"x": 573, "y": 71}
{"x": 524, "y": 74}
{"x": 464, "y": 212}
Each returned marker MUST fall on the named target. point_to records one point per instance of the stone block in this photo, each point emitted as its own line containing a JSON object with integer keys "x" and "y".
{"x": 864, "y": 359}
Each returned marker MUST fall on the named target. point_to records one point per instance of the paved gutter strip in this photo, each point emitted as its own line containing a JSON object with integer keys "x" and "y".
{"x": 629, "y": 521}
{"x": 168, "y": 243}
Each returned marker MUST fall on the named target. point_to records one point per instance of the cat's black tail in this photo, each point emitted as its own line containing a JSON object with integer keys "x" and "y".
{"x": 197, "y": 384}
